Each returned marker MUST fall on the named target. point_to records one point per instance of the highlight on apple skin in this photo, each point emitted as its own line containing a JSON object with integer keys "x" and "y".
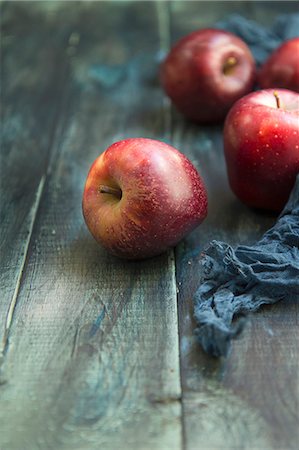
{"x": 206, "y": 72}
{"x": 281, "y": 69}
{"x": 261, "y": 147}
{"x": 141, "y": 197}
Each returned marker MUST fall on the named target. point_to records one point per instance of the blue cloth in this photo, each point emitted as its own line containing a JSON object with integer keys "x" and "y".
{"x": 262, "y": 41}
{"x": 238, "y": 281}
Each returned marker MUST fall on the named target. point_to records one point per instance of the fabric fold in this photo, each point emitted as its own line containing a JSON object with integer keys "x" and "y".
{"x": 238, "y": 281}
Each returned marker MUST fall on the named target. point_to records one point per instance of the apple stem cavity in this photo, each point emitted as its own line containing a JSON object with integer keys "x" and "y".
{"x": 103, "y": 189}
{"x": 278, "y": 103}
{"x": 229, "y": 64}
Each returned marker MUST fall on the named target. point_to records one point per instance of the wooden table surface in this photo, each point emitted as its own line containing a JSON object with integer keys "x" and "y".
{"x": 96, "y": 352}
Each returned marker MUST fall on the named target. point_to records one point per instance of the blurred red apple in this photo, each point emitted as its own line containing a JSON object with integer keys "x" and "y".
{"x": 261, "y": 146}
{"x": 142, "y": 197}
{"x": 206, "y": 72}
{"x": 281, "y": 69}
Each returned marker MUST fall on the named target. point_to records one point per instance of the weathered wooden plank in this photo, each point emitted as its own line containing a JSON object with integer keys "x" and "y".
{"x": 93, "y": 359}
{"x": 249, "y": 400}
{"x": 33, "y": 70}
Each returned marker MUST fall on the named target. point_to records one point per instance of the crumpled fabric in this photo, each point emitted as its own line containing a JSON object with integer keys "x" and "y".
{"x": 262, "y": 41}
{"x": 238, "y": 281}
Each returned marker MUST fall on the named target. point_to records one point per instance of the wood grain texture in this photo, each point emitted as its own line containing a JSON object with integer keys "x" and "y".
{"x": 93, "y": 359}
{"x": 249, "y": 400}
{"x": 32, "y": 77}
{"x": 93, "y": 354}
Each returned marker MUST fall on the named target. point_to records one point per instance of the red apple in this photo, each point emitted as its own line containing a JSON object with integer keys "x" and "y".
{"x": 141, "y": 197}
{"x": 281, "y": 69}
{"x": 261, "y": 146}
{"x": 206, "y": 72}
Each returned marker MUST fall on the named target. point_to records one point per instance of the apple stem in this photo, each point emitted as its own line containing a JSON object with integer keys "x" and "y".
{"x": 278, "y": 104}
{"x": 103, "y": 189}
{"x": 229, "y": 64}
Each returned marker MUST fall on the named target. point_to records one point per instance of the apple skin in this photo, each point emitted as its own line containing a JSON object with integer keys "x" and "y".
{"x": 206, "y": 72}
{"x": 162, "y": 198}
{"x": 261, "y": 147}
{"x": 281, "y": 69}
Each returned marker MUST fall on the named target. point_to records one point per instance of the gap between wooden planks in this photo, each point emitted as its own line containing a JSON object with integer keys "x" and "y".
{"x": 93, "y": 345}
